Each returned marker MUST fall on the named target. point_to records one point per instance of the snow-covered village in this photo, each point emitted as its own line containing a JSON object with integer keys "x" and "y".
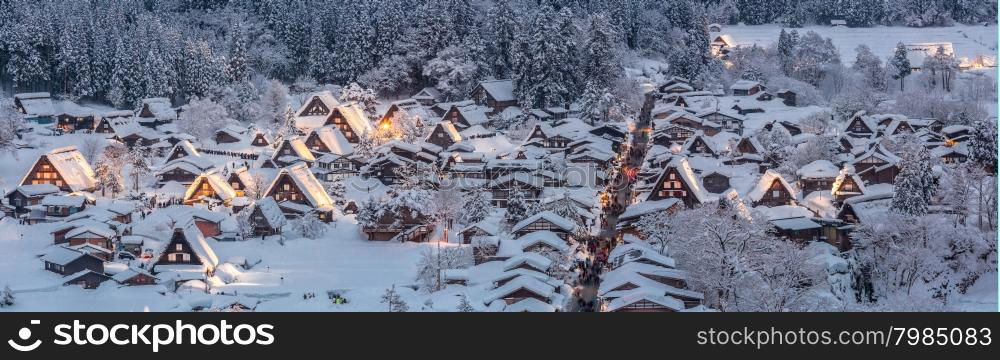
{"x": 498, "y": 155}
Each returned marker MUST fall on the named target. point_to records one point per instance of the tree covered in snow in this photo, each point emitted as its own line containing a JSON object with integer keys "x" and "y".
{"x": 658, "y": 229}
{"x": 501, "y": 29}
{"x": 273, "y": 103}
{"x": 518, "y": 208}
{"x": 565, "y": 206}
{"x": 455, "y": 70}
{"x": 601, "y": 64}
{"x": 904, "y": 261}
{"x": 138, "y": 159}
{"x": 369, "y": 213}
{"x": 812, "y": 57}
{"x": 545, "y": 69}
{"x": 202, "y": 118}
{"x": 394, "y": 301}
{"x": 365, "y": 98}
{"x": 775, "y": 143}
{"x": 728, "y": 251}
{"x": 308, "y": 226}
{"x": 109, "y": 167}
{"x": 941, "y": 64}
{"x": 11, "y": 123}
{"x": 915, "y": 184}
{"x": 899, "y": 65}
{"x": 476, "y": 206}
{"x": 787, "y": 42}
{"x": 983, "y": 145}
{"x": 433, "y": 261}
{"x": 336, "y": 188}
{"x": 6, "y": 297}
{"x": 870, "y": 67}
{"x": 464, "y": 305}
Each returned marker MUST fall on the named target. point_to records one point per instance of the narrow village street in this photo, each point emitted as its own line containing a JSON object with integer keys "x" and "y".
{"x": 621, "y": 190}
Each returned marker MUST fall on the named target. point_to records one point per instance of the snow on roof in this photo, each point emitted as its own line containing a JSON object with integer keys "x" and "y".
{"x": 848, "y": 171}
{"x": 188, "y": 148}
{"x": 72, "y": 166}
{"x": 334, "y": 140}
{"x": 450, "y": 129}
{"x": 500, "y": 90}
{"x": 129, "y": 273}
{"x": 271, "y": 212}
{"x": 795, "y": 224}
{"x": 429, "y": 93}
{"x": 532, "y": 284}
{"x": 35, "y": 189}
{"x": 784, "y": 211}
{"x": 637, "y": 251}
{"x": 326, "y": 97}
{"x": 314, "y": 192}
{"x": 822, "y": 203}
{"x": 724, "y": 39}
{"x": 559, "y": 221}
{"x": 90, "y": 248}
{"x": 529, "y": 305}
{"x": 474, "y": 114}
{"x": 62, "y": 255}
{"x": 160, "y": 108}
{"x": 819, "y": 169}
{"x": 532, "y": 259}
{"x": 532, "y": 180}
{"x": 222, "y": 188}
{"x": 475, "y": 131}
{"x": 612, "y": 280}
{"x": 298, "y": 145}
{"x": 633, "y": 296}
{"x": 683, "y": 167}
{"x": 744, "y": 85}
{"x": 489, "y": 226}
{"x": 102, "y": 231}
{"x": 765, "y": 182}
{"x": 637, "y": 210}
{"x": 64, "y": 200}
{"x": 542, "y": 237}
{"x": 36, "y": 104}
{"x": 356, "y": 118}
{"x": 66, "y": 107}
{"x": 192, "y": 164}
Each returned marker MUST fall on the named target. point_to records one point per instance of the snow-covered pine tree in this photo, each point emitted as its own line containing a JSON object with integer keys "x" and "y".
{"x": 477, "y": 207}
{"x": 915, "y": 184}
{"x": 365, "y": 98}
{"x": 6, "y": 297}
{"x": 369, "y": 212}
{"x": 337, "y": 189}
{"x": 138, "y": 158}
{"x": 11, "y": 121}
{"x": 601, "y": 65}
{"x": 870, "y": 67}
{"x": 202, "y": 118}
{"x": 812, "y": 56}
{"x": 273, "y": 103}
{"x": 900, "y": 65}
{"x": 464, "y": 305}
{"x": 394, "y": 301}
{"x": 983, "y": 145}
{"x": 518, "y": 207}
{"x": 787, "y": 42}
{"x": 501, "y": 29}
{"x": 237, "y": 69}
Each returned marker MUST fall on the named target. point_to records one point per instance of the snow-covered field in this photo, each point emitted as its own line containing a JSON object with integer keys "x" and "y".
{"x": 341, "y": 261}
{"x": 968, "y": 40}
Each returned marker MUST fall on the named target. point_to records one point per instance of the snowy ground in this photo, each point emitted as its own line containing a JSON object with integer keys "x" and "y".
{"x": 341, "y": 261}
{"x": 968, "y": 40}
